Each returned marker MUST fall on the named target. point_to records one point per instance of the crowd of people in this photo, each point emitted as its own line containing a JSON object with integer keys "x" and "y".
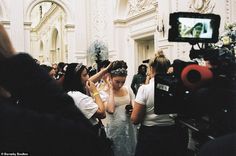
{"x": 58, "y": 109}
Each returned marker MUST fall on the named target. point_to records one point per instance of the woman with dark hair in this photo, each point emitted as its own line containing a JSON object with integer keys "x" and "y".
{"x": 77, "y": 85}
{"x": 119, "y": 97}
{"x": 158, "y": 134}
{"x": 76, "y": 76}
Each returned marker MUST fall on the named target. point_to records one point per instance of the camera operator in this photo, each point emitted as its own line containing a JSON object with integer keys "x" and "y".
{"x": 221, "y": 102}
{"x": 212, "y": 103}
{"x": 158, "y": 134}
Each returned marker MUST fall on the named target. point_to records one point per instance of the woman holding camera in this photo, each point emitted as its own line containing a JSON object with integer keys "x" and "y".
{"x": 158, "y": 134}
{"x": 119, "y": 100}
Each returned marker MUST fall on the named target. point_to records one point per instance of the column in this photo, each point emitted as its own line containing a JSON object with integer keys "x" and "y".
{"x": 70, "y": 43}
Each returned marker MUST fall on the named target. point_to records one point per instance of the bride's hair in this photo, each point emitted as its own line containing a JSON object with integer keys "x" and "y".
{"x": 118, "y": 68}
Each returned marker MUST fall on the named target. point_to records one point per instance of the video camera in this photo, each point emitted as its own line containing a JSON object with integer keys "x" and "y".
{"x": 204, "y": 95}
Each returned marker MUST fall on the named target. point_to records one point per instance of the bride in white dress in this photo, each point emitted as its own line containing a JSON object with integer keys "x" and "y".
{"x": 119, "y": 127}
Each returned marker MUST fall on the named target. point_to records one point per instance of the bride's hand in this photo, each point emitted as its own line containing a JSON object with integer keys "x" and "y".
{"x": 108, "y": 81}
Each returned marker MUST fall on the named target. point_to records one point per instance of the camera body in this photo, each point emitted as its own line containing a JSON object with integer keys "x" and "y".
{"x": 203, "y": 98}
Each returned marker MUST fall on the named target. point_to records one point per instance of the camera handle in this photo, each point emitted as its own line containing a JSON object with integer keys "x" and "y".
{"x": 200, "y": 52}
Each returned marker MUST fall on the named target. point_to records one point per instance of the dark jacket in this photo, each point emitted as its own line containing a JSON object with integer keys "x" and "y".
{"x": 45, "y": 120}
{"x": 42, "y": 134}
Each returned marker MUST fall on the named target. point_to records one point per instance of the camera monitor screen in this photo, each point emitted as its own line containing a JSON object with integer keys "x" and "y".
{"x": 194, "y": 27}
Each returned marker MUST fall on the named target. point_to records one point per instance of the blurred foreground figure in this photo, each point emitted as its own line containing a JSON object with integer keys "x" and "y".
{"x": 36, "y": 116}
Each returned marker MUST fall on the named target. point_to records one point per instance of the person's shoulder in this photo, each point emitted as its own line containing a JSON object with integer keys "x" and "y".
{"x": 143, "y": 87}
{"x": 128, "y": 88}
{"x": 77, "y": 94}
{"x": 147, "y": 86}
{"x": 23, "y": 56}
{"x": 19, "y": 59}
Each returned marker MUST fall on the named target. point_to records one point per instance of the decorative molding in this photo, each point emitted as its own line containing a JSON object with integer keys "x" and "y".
{"x": 137, "y": 6}
{"x": 141, "y": 14}
{"x": 5, "y": 23}
{"x": 46, "y": 17}
{"x": 65, "y": 5}
{"x": 155, "y": 3}
{"x": 135, "y": 17}
{"x": 70, "y": 26}
{"x": 143, "y": 25}
{"x": 202, "y": 6}
{"x": 27, "y": 25}
{"x": 120, "y": 21}
{"x": 141, "y": 34}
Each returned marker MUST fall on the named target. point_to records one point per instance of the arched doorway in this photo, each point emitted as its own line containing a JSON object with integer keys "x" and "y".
{"x": 53, "y": 26}
{"x": 48, "y": 22}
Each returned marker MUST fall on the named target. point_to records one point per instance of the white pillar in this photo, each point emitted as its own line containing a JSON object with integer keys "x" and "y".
{"x": 70, "y": 43}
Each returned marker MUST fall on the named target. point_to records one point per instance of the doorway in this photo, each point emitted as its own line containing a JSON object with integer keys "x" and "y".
{"x": 145, "y": 49}
{"x": 47, "y": 33}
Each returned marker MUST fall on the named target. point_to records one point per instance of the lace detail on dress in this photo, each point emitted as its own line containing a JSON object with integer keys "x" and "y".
{"x": 120, "y": 129}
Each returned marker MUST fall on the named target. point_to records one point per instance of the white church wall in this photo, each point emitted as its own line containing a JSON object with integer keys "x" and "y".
{"x": 49, "y": 23}
{"x": 133, "y": 21}
{"x": 80, "y": 20}
{"x": 100, "y": 15}
{"x": 69, "y": 8}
